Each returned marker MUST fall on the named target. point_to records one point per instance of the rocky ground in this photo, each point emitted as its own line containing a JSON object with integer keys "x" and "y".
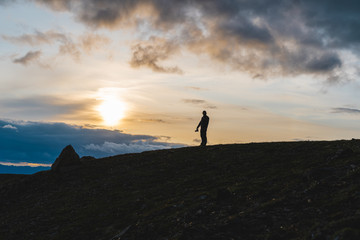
{"x": 288, "y": 190}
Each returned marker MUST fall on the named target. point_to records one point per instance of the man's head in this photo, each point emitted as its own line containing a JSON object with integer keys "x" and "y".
{"x": 204, "y": 113}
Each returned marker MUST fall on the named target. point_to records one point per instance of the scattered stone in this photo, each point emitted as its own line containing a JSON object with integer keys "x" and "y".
{"x": 199, "y": 212}
{"x": 118, "y": 237}
{"x": 203, "y": 197}
{"x": 67, "y": 160}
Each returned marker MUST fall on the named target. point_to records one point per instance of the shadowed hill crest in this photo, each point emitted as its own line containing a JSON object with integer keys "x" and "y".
{"x": 289, "y": 190}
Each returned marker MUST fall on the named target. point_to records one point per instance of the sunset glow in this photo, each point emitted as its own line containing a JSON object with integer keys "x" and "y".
{"x": 112, "y": 110}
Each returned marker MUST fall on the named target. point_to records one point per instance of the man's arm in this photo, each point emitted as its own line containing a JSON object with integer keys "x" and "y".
{"x": 197, "y": 128}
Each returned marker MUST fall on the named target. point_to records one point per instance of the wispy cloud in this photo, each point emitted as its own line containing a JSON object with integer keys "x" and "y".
{"x": 37, "y": 38}
{"x": 24, "y": 164}
{"x": 346, "y": 110}
{"x": 9, "y": 126}
{"x": 149, "y": 120}
{"x": 49, "y": 106}
{"x": 67, "y": 44}
{"x": 28, "y": 58}
{"x": 194, "y": 101}
{"x": 196, "y": 88}
{"x": 199, "y": 102}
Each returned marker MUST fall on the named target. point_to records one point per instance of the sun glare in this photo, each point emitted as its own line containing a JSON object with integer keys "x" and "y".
{"x": 112, "y": 110}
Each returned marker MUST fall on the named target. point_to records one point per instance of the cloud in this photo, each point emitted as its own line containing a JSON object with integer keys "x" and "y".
{"x": 246, "y": 30}
{"x": 194, "y": 101}
{"x": 28, "y": 58}
{"x": 149, "y": 120}
{"x": 38, "y": 38}
{"x": 25, "y": 164}
{"x": 67, "y": 44}
{"x": 9, "y": 126}
{"x": 196, "y": 88}
{"x": 113, "y": 148}
{"x": 150, "y": 55}
{"x": 9, "y": 169}
{"x": 43, "y": 107}
{"x": 261, "y": 37}
{"x": 324, "y": 63}
{"x": 39, "y": 143}
{"x": 339, "y": 20}
{"x": 200, "y": 102}
{"x": 90, "y": 42}
{"x": 346, "y": 110}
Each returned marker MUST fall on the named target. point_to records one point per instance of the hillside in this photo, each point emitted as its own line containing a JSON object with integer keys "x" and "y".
{"x": 286, "y": 190}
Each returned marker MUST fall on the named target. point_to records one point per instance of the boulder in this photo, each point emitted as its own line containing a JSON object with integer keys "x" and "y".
{"x": 68, "y": 159}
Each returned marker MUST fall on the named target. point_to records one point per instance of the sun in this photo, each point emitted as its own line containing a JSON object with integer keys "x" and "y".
{"x": 112, "y": 110}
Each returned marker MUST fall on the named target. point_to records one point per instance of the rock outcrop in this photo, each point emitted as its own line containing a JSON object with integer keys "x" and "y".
{"x": 68, "y": 159}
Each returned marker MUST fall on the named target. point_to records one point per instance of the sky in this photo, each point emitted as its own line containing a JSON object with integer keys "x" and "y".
{"x": 112, "y": 77}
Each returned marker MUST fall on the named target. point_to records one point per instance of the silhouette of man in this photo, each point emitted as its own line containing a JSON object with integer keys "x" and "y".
{"x": 204, "y": 122}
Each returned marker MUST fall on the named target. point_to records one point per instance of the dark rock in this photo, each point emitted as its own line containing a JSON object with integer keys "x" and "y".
{"x": 87, "y": 158}
{"x": 68, "y": 159}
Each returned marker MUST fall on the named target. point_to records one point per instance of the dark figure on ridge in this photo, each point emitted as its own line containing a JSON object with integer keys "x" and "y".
{"x": 204, "y": 122}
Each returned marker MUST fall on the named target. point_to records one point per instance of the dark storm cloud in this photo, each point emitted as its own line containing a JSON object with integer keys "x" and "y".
{"x": 28, "y": 58}
{"x": 244, "y": 30}
{"x": 39, "y": 142}
{"x": 346, "y": 110}
{"x": 262, "y": 37}
{"x": 340, "y": 20}
{"x": 324, "y": 63}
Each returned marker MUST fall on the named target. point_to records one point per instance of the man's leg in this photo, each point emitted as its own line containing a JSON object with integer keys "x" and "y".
{"x": 203, "y": 138}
